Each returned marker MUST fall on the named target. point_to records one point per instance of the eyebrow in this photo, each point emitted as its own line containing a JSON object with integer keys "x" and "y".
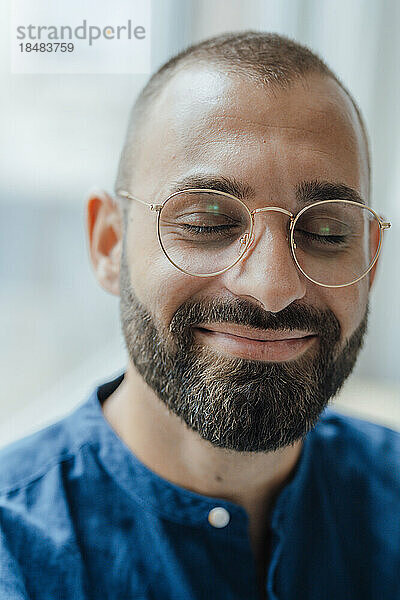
{"x": 306, "y": 192}
{"x": 315, "y": 190}
{"x": 229, "y": 185}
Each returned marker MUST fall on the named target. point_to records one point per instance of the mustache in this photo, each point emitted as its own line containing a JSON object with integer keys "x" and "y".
{"x": 241, "y": 312}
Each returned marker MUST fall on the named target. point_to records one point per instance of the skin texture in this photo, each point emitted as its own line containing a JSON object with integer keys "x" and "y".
{"x": 205, "y": 122}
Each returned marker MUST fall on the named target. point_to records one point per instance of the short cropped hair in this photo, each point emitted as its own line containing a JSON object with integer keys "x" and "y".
{"x": 274, "y": 60}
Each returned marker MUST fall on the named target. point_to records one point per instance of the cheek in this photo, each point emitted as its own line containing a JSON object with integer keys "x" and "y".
{"x": 158, "y": 285}
{"x": 348, "y": 305}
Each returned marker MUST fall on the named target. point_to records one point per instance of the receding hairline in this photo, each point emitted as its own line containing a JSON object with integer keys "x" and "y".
{"x": 273, "y": 60}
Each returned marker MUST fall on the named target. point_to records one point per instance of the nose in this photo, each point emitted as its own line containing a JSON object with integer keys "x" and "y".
{"x": 267, "y": 272}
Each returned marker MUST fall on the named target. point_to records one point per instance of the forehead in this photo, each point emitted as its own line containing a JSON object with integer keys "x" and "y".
{"x": 208, "y": 122}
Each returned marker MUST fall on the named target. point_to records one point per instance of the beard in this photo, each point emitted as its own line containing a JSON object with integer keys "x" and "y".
{"x": 235, "y": 403}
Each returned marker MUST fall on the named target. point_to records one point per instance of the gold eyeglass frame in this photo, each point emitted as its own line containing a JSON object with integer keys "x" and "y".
{"x": 248, "y": 237}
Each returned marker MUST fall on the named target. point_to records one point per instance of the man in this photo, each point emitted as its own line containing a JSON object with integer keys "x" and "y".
{"x": 242, "y": 247}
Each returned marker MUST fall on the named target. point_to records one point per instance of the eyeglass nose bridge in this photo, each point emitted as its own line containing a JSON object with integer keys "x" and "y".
{"x": 244, "y": 239}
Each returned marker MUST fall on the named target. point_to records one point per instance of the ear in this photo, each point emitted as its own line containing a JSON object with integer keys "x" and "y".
{"x": 104, "y": 230}
{"x": 373, "y": 244}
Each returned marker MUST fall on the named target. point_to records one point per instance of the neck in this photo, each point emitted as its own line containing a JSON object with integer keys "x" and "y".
{"x": 168, "y": 447}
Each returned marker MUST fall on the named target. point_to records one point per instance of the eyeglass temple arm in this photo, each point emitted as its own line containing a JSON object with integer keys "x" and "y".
{"x": 125, "y": 194}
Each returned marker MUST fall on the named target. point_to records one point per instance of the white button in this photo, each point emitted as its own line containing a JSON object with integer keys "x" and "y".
{"x": 218, "y": 517}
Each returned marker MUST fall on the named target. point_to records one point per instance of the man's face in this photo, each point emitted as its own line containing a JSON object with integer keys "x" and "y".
{"x": 210, "y": 125}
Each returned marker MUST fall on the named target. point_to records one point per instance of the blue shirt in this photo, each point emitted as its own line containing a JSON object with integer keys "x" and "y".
{"x": 82, "y": 518}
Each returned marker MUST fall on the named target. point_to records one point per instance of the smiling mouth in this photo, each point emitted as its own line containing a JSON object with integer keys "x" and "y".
{"x": 265, "y": 345}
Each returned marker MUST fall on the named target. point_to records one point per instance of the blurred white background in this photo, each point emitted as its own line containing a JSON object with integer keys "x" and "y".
{"x": 62, "y": 134}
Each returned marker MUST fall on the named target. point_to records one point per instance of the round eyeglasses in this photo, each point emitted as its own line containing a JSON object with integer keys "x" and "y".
{"x": 205, "y": 232}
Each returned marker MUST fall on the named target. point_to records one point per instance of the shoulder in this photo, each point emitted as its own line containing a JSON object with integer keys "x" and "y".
{"x": 28, "y": 459}
{"x": 336, "y": 426}
{"x": 39, "y": 459}
{"x": 357, "y": 448}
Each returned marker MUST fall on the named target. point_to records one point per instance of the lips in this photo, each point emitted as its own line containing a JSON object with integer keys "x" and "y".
{"x": 252, "y": 344}
{"x": 255, "y": 334}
